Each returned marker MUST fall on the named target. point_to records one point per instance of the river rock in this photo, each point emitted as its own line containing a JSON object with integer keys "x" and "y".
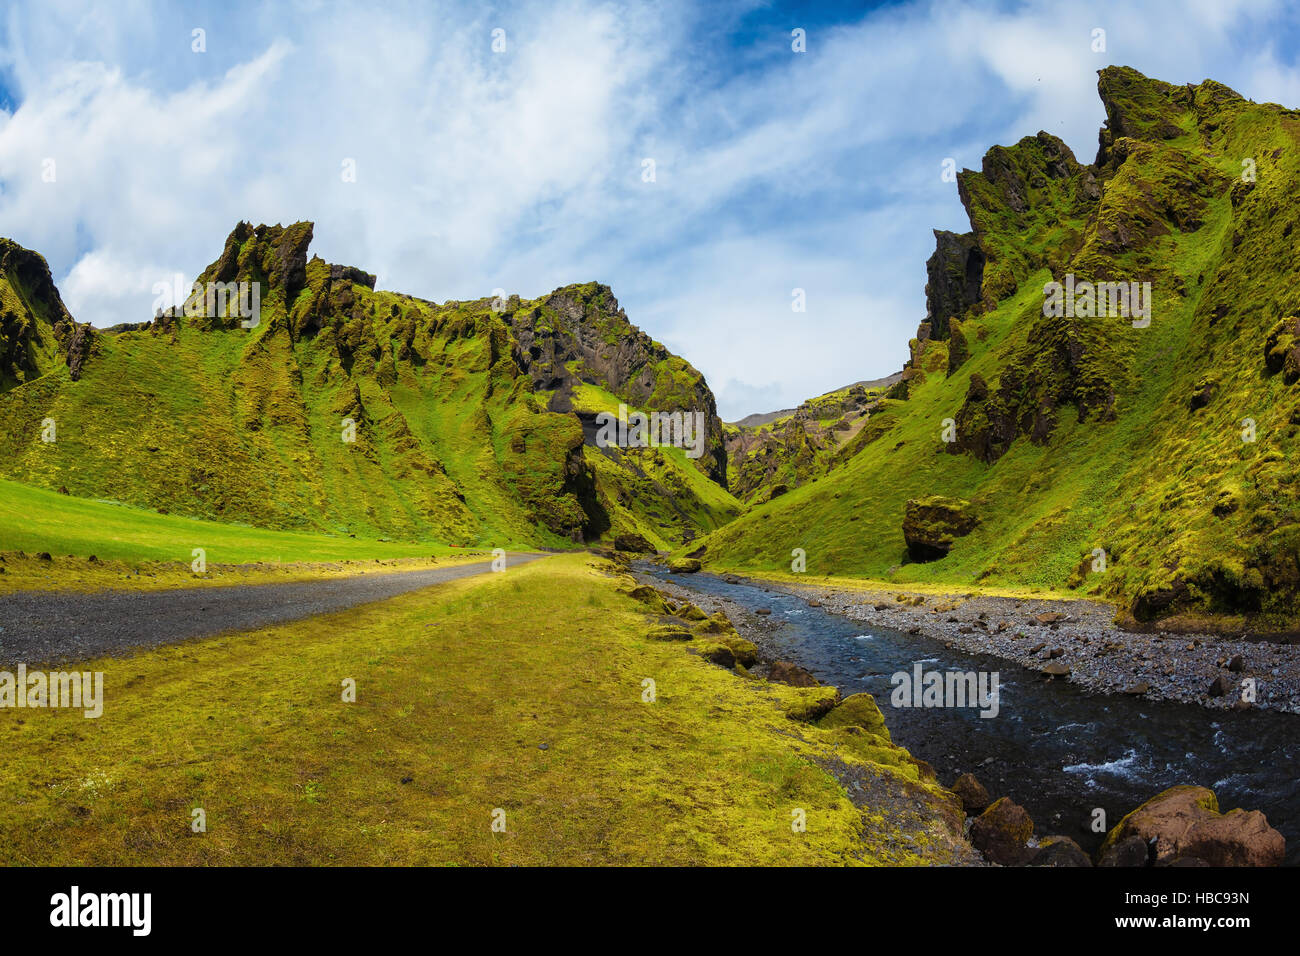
{"x": 1128, "y": 852}
{"x": 719, "y": 654}
{"x": 634, "y": 543}
{"x": 783, "y": 672}
{"x": 1057, "y": 669}
{"x": 1221, "y": 687}
{"x": 1059, "y": 851}
{"x": 1002, "y": 833}
{"x": 684, "y": 566}
{"x": 857, "y": 710}
{"x": 1185, "y": 821}
{"x": 974, "y": 798}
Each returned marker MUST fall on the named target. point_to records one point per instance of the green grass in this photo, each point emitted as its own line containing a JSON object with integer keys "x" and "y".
{"x": 34, "y": 520}
{"x": 520, "y": 691}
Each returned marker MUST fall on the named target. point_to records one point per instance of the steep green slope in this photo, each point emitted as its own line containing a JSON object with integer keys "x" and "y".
{"x": 1151, "y": 465}
{"x": 343, "y": 409}
{"x": 36, "y": 331}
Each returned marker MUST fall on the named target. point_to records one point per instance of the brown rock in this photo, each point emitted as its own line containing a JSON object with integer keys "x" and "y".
{"x": 1057, "y": 669}
{"x": 1049, "y": 617}
{"x": 1185, "y": 821}
{"x": 1059, "y": 851}
{"x": 1128, "y": 852}
{"x": 974, "y": 798}
{"x": 783, "y": 672}
{"x": 1002, "y": 833}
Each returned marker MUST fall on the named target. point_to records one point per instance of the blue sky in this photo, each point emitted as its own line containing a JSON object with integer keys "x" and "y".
{"x": 523, "y": 169}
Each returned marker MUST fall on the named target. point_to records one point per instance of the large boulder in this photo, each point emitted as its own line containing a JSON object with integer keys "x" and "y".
{"x": 1185, "y": 821}
{"x": 783, "y": 672}
{"x": 857, "y": 710}
{"x": 1002, "y": 833}
{"x": 1059, "y": 851}
{"x": 684, "y": 566}
{"x": 933, "y": 523}
{"x": 1128, "y": 852}
{"x": 974, "y": 798}
{"x": 634, "y": 543}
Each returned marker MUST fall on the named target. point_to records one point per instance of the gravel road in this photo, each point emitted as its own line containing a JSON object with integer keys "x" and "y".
{"x": 49, "y": 627}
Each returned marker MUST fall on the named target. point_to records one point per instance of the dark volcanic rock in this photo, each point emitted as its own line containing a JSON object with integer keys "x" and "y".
{"x": 635, "y": 543}
{"x": 954, "y": 274}
{"x": 783, "y": 672}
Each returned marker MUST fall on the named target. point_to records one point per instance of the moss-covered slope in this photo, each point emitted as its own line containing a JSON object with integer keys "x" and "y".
{"x": 1151, "y": 463}
{"x": 343, "y": 409}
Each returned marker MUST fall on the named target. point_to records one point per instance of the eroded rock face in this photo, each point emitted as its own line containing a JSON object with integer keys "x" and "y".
{"x": 1282, "y": 350}
{"x": 33, "y": 307}
{"x": 1184, "y": 822}
{"x": 580, "y": 333}
{"x": 932, "y": 524}
{"x": 954, "y": 274}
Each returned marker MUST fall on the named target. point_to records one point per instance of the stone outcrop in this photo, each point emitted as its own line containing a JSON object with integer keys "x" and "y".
{"x": 954, "y": 273}
{"x": 933, "y": 523}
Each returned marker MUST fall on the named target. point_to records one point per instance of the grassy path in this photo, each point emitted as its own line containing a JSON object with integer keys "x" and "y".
{"x": 523, "y": 692}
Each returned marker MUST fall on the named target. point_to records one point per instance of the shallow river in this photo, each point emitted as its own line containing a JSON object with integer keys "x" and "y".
{"x": 1054, "y": 749}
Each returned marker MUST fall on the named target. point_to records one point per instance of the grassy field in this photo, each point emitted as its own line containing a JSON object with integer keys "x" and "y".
{"x": 133, "y": 547}
{"x": 520, "y": 692}
{"x": 34, "y": 519}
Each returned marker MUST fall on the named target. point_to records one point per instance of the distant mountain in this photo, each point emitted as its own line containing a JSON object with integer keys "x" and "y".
{"x": 777, "y": 451}
{"x": 1147, "y": 457}
{"x": 353, "y": 410}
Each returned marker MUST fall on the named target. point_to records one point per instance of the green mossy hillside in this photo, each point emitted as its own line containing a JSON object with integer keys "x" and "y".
{"x": 342, "y": 409}
{"x": 1150, "y": 464}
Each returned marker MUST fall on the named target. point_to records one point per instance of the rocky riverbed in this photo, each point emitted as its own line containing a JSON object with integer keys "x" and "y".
{"x": 1059, "y": 751}
{"x": 1078, "y": 641}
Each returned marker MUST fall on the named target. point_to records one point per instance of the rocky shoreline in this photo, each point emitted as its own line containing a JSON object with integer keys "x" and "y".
{"x": 1181, "y": 826}
{"x": 1079, "y": 642}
